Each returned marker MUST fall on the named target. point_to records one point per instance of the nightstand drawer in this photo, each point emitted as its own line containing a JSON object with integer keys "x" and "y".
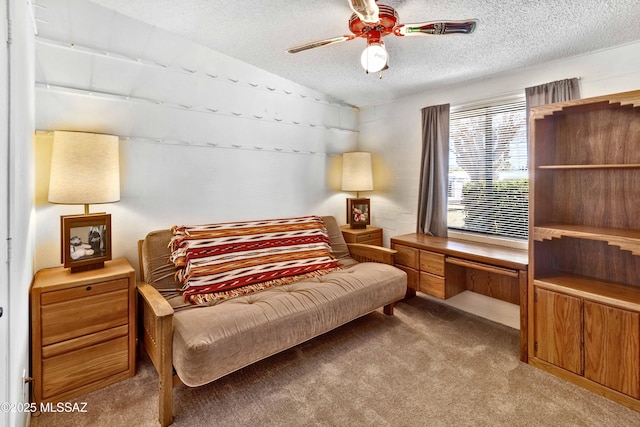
{"x": 432, "y": 262}
{"x": 83, "y": 341}
{"x": 83, "y": 291}
{"x": 406, "y": 256}
{"x": 84, "y": 310}
{"x": 77, "y": 368}
{"x": 369, "y": 236}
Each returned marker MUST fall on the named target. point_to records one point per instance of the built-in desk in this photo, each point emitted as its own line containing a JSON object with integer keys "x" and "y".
{"x": 443, "y": 267}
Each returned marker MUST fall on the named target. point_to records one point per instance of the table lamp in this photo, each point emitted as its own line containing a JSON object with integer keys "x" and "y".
{"x": 357, "y": 176}
{"x": 85, "y": 169}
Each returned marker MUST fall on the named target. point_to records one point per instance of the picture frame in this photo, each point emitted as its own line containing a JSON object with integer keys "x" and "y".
{"x": 358, "y": 212}
{"x": 86, "y": 241}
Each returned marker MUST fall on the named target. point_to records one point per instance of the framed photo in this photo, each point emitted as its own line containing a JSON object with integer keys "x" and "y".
{"x": 86, "y": 241}
{"x": 358, "y": 213}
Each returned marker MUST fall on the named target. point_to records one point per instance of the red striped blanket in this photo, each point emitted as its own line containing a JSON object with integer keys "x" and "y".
{"x": 220, "y": 261}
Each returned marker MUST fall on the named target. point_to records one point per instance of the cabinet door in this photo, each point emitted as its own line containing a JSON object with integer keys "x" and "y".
{"x": 558, "y": 329}
{"x": 612, "y": 347}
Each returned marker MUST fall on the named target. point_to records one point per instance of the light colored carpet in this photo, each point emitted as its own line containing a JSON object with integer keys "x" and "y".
{"x": 429, "y": 365}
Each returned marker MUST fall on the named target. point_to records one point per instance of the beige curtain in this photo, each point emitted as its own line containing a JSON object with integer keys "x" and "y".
{"x": 548, "y": 93}
{"x": 434, "y": 171}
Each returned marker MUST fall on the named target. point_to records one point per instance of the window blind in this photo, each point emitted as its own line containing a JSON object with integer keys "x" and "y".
{"x": 488, "y": 170}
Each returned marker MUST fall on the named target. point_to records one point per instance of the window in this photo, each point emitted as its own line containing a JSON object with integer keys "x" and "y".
{"x": 488, "y": 170}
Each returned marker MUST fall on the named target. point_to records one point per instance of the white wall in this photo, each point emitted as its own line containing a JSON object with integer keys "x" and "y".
{"x": 392, "y": 131}
{"x": 204, "y": 137}
{"x": 19, "y": 220}
{"x": 4, "y": 220}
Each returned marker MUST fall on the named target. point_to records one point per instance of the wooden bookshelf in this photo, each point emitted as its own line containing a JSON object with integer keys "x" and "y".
{"x": 584, "y": 247}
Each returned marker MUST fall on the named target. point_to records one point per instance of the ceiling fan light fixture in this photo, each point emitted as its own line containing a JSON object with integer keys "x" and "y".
{"x": 374, "y": 57}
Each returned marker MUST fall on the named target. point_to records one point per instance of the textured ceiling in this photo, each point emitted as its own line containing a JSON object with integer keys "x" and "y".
{"x": 510, "y": 34}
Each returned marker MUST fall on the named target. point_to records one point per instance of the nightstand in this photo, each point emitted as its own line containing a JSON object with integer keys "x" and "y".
{"x": 83, "y": 329}
{"x": 370, "y": 235}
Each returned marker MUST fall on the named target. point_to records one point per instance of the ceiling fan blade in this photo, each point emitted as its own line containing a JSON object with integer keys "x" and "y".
{"x": 320, "y": 43}
{"x": 367, "y": 10}
{"x": 436, "y": 28}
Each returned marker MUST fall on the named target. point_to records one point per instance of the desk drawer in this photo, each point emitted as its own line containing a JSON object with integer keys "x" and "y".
{"x": 407, "y": 256}
{"x": 413, "y": 280}
{"x": 432, "y": 285}
{"x": 432, "y": 262}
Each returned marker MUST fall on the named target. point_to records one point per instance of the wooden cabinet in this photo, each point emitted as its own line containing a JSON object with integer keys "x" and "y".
{"x": 369, "y": 236}
{"x": 584, "y": 245}
{"x": 590, "y": 339}
{"x": 83, "y": 329}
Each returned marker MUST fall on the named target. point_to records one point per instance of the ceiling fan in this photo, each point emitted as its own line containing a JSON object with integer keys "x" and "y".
{"x": 373, "y": 21}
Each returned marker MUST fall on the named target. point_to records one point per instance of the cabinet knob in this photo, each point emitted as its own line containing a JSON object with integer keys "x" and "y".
{"x": 88, "y": 288}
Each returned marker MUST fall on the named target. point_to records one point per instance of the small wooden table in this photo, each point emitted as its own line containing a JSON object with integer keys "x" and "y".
{"x": 83, "y": 329}
{"x": 370, "y": 235}
{"x": 444, "y": 267}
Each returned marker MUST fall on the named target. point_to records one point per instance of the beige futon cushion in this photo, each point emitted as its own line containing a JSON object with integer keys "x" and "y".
{"x": 210, "y": 342}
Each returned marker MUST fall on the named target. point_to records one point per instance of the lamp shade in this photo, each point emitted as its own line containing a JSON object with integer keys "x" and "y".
{"x": 85, "y": 168}
{"x": 356, "y": 171}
